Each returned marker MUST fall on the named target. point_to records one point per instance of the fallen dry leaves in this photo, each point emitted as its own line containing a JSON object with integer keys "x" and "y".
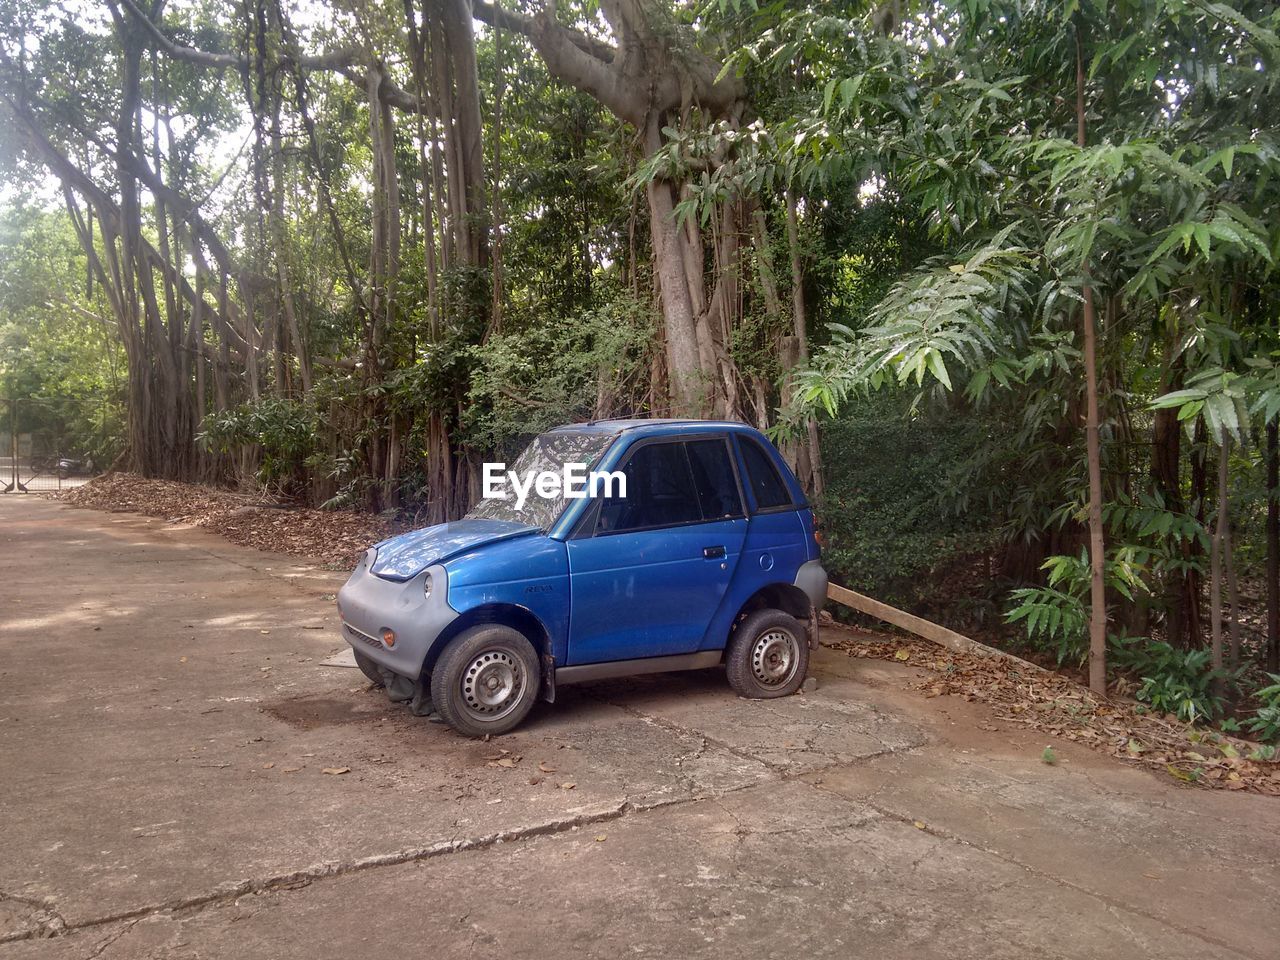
{"x": 331, "y": 537}
{"x": 1025, "y": 694}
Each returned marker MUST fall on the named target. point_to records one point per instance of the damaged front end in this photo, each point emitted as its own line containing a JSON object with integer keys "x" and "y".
{"x": 392, "y": 626}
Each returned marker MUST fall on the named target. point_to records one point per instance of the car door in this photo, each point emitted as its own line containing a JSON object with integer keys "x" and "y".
{"x": 776, "y": 542}
{"x": 648, "y": 571}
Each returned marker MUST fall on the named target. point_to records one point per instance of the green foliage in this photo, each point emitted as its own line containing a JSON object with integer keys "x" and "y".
{"x": 1178, "y": 682}
{"x": 892, "y": 511}
{"x": 1220, "y": 396}
{"x": 558, "y": 370}
{"x": 1056, "y": 616}
{"x": 1266, "y": 720}
{"x": 1056, "y": 621}
{"x": 58, "y": 348}
{"x": 285, "y": 431}
{"x": 946, "y": 311}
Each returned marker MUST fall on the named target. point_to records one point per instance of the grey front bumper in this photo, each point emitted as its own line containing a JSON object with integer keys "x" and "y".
{"x": 368, "y": 605}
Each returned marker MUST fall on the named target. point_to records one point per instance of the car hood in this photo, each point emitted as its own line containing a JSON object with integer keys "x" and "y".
{"x": 405, "y": 556}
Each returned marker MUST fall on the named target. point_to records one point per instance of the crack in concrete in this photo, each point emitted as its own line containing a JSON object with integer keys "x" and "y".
{"x": 106, "y": 943}
{"x": 45, "y": 916}
{"x": 54, "y": 925}
{"x": 1168, "y": 827}
{"x": 672, "y": 727}
{"x": 233, "y": 890}
{"x": 686, "y": 779}
{"x": 1111, "y": 903}
{"x": 783, "y": 773}
{"x": 781, "y": 770}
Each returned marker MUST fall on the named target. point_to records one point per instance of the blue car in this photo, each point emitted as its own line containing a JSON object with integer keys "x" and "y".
{"x": 669, "y": 545}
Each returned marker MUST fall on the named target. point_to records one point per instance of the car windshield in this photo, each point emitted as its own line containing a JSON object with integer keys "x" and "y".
{"x": 549, "y": 453}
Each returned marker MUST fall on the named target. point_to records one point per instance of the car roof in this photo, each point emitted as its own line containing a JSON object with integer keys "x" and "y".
{"x": 654, "y": 426}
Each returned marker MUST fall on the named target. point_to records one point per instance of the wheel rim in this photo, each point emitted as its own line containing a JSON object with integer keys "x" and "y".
{"x": 774, "y": 658}
{"x": 492, "y": 685}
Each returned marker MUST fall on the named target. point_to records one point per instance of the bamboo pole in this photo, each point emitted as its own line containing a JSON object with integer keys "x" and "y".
{"x": 927, "y": 629}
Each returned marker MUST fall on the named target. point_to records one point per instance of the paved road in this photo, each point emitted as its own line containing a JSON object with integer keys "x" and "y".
{"x": 166, "y": 724}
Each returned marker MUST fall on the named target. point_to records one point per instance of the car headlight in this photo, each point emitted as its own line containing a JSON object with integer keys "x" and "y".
{"x": 426, "y": 585}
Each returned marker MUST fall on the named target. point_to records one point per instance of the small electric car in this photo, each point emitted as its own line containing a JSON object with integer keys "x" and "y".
{"x": 705, "y": 555}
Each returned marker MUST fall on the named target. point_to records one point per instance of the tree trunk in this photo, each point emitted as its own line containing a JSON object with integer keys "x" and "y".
{"x": 1166, "y": 452}
{"x": 499, "y": 91}
{"x": 1198, "y": 504}
{"x": 1181, "y": 589}
{"x": 1273, "y": 549}
{"x": 1097, "y": 547}
{"x": 684, "y": 369}
{"x": 813, "y": 478}
{"x": 1233, "y": 596}
{"x": 454, "y": 181}
{"x": 278, "y": 242}
{"x": 1097, "y": 555}
{"x": 1215, "y": 558}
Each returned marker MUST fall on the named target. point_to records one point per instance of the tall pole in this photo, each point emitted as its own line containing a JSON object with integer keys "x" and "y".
{"x": 1273, "y": 549}
{"x": 1097, "y": 546}
{"x": 13, "y": 447}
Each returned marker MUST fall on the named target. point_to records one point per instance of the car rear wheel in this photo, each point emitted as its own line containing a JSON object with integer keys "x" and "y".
{"x": 486, "y": 681}
{"x": 768, "y": 655}
{"x": 368, "y": 668}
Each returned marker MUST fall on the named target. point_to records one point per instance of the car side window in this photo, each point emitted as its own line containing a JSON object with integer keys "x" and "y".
{"x": 762, "y": 476}
{"x": 660, "y": 491}
{"x": 713, "y": 477}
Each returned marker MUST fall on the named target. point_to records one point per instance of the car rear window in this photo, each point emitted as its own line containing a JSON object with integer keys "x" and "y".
{"x": 763, "y": 477}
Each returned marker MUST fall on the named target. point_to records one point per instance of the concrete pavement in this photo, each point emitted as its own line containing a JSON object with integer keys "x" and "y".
{"x": 166, "y": 726}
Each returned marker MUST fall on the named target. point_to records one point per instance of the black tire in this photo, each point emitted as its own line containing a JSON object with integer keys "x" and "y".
{"x": 768, "y": 655}
{"x": 486, "y": 681}
{"x": 368, "y": 668}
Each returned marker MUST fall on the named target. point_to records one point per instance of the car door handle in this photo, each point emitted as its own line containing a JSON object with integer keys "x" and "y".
{"x": 713, "y": 553}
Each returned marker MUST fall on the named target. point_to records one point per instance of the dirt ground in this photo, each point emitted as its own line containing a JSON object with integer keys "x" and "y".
{"x": 183, "y": 777}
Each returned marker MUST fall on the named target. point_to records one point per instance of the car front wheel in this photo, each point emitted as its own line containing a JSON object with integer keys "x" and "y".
{"x": 768, "y": 655}
{"x": 486, "y": 681}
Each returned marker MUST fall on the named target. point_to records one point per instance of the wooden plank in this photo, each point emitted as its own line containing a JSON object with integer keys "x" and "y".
{"x": 921, "y": 627}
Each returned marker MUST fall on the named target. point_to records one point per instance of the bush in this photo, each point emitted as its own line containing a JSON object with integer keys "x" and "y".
{"x": 890, "y": 513}
{"x": 284, "y": 429}
{"x": 1266, "y": 721}
{"x": 1057, "y": 615}
{"x": 558, "y": 370}
{"x": 1057, "y": 622}
{"x": 1180, "y": 682}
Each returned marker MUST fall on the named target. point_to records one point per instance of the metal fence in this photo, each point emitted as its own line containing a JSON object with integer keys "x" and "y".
{"x": 52, "y": 443}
